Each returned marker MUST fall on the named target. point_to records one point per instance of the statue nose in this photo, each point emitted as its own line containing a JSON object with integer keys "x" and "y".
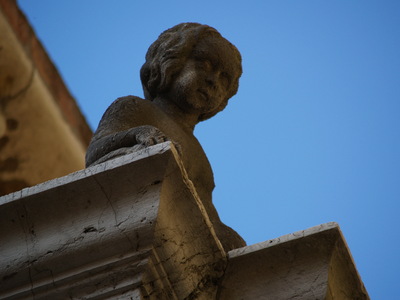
{"x": 211, "y": 80}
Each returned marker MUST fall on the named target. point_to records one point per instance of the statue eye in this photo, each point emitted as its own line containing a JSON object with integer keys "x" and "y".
{"x": 225, "y": 79}
{"x": 204, "y": 64}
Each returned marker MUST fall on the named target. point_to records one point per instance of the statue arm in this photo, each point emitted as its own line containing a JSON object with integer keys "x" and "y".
{"x": 121, "y": 129}
{"x": 123, "y": 141}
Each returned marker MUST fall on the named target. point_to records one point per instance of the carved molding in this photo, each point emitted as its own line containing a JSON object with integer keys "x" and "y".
{"x": 310, "y": 264}
{"x": 131, "y": 226}
{"x": 134, "y": 227}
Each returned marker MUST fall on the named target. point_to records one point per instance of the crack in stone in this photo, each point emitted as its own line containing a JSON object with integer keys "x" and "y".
{"x": 117, "y": 224}
{"x": 25, "y": 228}
{"x": 58, "y": 250}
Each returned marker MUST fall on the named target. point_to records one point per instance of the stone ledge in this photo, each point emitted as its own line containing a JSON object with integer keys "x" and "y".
{"x": 132, "y": 226}
{"x": 310, "y": 264}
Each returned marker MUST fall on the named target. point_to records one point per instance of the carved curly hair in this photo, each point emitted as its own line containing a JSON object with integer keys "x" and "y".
{"x": 167, "y": 55}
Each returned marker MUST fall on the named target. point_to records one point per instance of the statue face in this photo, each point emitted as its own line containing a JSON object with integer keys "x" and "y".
{"x": 204, "y": 80}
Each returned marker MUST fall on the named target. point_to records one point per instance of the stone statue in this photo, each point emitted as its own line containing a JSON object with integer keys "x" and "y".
{"x": 190, "y": 73}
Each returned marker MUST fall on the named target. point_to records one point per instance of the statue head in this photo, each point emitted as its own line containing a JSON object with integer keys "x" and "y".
{"x": 195, "y": 48}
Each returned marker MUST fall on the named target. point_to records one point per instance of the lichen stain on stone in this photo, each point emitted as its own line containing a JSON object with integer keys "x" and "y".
{"x": 12, "y": 124}
{"x": 4, "y": 141}
{"x": 89, "y": 229}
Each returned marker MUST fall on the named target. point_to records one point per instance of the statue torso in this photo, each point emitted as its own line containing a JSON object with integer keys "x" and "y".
{"x": 129, "y": 112}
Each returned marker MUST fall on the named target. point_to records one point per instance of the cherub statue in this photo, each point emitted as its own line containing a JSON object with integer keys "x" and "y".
{"x": 190, "y": 73}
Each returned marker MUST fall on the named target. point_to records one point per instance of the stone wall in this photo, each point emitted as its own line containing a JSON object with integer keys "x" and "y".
{"x": 43, "y": 134}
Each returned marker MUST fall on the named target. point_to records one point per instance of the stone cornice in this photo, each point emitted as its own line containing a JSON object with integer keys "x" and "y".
{"x": 315, "y": 263}
{"x": 130, "y": 226}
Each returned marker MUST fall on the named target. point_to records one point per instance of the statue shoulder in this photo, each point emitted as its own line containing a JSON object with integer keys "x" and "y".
{"x": 124, "y": 105}
{"x": 123, "y": 113}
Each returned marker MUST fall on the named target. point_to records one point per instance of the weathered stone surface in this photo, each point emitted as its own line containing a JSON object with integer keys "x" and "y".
{"x": 43, "y": 135}
{"x": 311, "y": 264}
{"x": 133, "y": 226}
{"x": 189, "y": 75}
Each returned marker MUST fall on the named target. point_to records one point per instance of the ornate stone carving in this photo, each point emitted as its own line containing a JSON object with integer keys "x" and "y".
{"x": 190, "y": 73}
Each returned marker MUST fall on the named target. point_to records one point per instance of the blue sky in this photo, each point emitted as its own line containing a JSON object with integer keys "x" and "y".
{"x": 313, "y": 134}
